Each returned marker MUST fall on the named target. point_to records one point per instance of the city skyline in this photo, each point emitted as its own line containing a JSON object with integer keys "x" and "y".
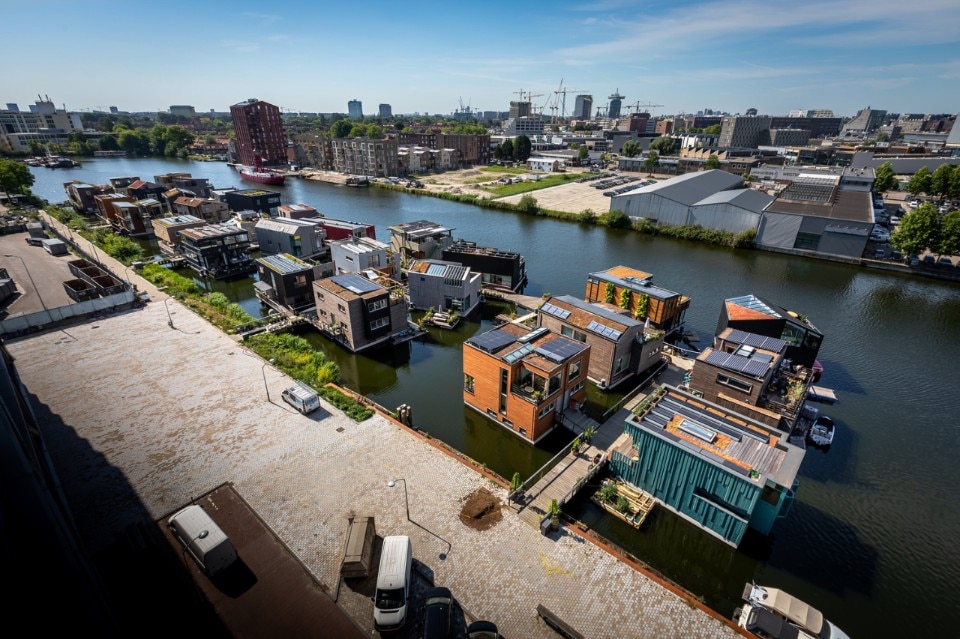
{"x": 685, "y": 55}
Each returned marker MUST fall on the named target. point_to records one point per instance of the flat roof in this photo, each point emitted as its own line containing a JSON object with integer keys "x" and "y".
{"x": 722, "y": 437}
{"x": 212, "y": 230}
{"x": 636, "y": 281}
{"x": 847, "y": 205}
{"x": 177, "y": 220}
{"x": 420, "y": 228}
{"x": 284, "y": 263}
{"x": 586, "y": 315}
{"x": 540, "y": 348}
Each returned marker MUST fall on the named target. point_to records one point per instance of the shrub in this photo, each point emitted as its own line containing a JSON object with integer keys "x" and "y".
{"x": 615, "y": 220}
{"x": 296, "y": 357}
{"x": 174, "y": 284}
{"x": 586, "y": 216}
{"x": 528, "y": 204}
{"x": 354, "y": 410}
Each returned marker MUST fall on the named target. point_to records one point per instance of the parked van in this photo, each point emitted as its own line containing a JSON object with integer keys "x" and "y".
{"x": 359, "y": 550}
{"x": 392, "y": 599}
{"x": 302, "y": 397}
{"x": 203, "y": 538}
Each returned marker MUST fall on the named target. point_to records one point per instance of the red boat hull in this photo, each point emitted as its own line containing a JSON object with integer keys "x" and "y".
{"x": 262, "y": 177}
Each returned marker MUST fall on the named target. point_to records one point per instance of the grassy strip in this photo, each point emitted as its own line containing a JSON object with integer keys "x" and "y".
{"x": 213, "y": 307}
{"x": 354, "y": 410}
{"x": 533, "y": 185}
{"x": 116, "y": 246}
{"x": 496, "y": 168}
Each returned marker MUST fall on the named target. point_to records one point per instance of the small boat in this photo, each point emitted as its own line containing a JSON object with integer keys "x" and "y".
{"x": 772, "y": 613}
{"x": 258, "y": 174}
{"x": 817, "y": 370}
{"x": 822, "y": 431}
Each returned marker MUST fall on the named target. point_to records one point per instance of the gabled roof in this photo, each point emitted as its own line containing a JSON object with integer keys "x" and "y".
{"x": 749, "y": 199}
{"x": 689, "y": 188}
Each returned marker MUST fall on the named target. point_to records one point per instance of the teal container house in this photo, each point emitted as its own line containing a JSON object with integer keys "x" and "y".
{"x": 715, "y": 468}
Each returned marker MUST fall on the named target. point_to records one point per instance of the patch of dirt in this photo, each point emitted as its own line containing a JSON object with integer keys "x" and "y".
{"x": 481, "y": 510}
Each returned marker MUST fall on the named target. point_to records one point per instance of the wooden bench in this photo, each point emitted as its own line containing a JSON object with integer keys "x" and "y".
{"x": 558, "y": 624}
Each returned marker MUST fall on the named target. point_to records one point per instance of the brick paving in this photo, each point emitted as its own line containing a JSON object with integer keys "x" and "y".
{"x": 139, "y": 416}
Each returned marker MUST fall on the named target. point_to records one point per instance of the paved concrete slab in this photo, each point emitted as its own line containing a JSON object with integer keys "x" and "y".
{"x": 140, "y": 417}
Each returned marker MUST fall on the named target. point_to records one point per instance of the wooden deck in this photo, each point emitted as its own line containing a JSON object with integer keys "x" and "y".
{"x": 639, "y": 503}
{"x": 821, "y": 394}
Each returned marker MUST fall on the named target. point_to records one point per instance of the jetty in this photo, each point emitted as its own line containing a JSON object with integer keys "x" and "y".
{"x": 821, "y": 394}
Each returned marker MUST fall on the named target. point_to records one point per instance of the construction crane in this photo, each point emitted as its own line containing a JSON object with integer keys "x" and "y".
{"x": 563, "y": 102}
{"x": 644, "y": 105}
{"x": 533, "y": 109}
{"x": 520, "y": 92}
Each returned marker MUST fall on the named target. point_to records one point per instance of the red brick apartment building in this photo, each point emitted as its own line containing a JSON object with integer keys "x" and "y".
{"x": 523, "y": 379}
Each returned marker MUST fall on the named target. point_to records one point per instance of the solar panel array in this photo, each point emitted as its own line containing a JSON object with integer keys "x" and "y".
{"x": 806, "y": 192}
{"x": 492, "y": 341}
{"x": 556, "y": 311}
{"x": 729, "y": 361}
{"x": 355, "y": 283}
{"x": 757, "y": 341}
{"x": 560, "y": 349}
{"x": 606, "y": 331}
{"x": 513, "y": 356}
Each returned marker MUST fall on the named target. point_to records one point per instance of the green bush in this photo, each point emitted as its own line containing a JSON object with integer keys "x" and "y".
{"x": 296, "y": 357}
{"x": 354, "y": 410}
{"x": 121, "y": 248}
{"x": 173, "y": 284}
{"x": 615, "y": 220}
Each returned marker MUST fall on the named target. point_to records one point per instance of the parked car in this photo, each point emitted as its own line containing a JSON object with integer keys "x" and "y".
{"x": 929, "y": 260}
{"x": 913, "y": 260}
{"x": 482, "y": 630}
{"x": 894, "y": 220}
{"x": 914, "y": 203}
{"x": 878, "y": 254}
{"x": 945, "y": 261}
{"x": 437, "y": 613}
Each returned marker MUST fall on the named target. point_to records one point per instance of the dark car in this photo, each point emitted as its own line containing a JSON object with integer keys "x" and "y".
{"x": 437, "y": 613}
{"x": 482, "y": 630}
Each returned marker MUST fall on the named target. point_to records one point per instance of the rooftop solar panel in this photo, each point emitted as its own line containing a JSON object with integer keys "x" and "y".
{"x": 757, "y": 341}
{"x": 492, "y": 341}
{"x": 556, "y": 311}
{"x": 355, "y": 283}
{"x": 560, "y": 350}
{"x": 736, "y": 363}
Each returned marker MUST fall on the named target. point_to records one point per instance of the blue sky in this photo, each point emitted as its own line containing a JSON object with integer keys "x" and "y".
{"x": 687, "y": 55}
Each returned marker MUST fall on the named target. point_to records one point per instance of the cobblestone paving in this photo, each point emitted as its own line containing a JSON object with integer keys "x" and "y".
{"x": 154, "y": 416}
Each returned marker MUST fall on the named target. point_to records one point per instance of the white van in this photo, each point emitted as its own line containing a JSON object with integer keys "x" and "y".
{"x": 393, "y": 583}
{"x": 302, "y": 397}
{"x": 203, "y": 538}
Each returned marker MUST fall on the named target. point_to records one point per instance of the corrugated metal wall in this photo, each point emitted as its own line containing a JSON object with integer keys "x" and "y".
{"x": 692, "y": 486}
{"x": 778, "y": 230}
{"x": 724, "y": 217}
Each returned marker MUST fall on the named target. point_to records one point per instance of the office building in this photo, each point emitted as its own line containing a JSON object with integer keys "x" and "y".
{"x": 259, "y": 132}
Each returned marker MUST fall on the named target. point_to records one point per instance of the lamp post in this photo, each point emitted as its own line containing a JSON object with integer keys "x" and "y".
{"x": 169, "y": 317}
{"x": 32, "y": 283}
{"x": 406, "y": 502}
{"x": 263, "y": 371}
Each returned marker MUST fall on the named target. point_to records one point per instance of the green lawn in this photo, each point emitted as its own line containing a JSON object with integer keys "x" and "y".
{"x": 495, "y": 168}
{"x": 525, "y": 187}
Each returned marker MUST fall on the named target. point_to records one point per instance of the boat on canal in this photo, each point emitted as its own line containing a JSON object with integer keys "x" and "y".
{"x": 773, "y": 614}
{"x": 822, "y": 431}
{"x": 258, "y": 174}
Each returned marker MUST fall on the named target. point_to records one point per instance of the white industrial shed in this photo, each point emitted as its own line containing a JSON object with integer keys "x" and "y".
{"x": 713, "y": 199}
{"x": 735, "y": 210}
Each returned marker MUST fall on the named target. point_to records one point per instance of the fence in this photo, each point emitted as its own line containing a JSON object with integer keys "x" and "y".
{"x": 22, "y": 324}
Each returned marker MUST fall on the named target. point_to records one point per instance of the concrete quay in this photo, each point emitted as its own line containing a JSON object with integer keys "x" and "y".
{"x": 140, "y": 417}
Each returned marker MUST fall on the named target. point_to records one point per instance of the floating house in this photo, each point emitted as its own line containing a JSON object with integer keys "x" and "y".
{"x": 717, "y": 469}
{"x": 524, "y": 380}
{"x": 502, "y": 270}
{"x": 358, "y": 312}
{"x": 754, "y": 315}
{"x": 634, "y": 291}
{"x": 443, "y": 286}
{"x": 217, "y": 250}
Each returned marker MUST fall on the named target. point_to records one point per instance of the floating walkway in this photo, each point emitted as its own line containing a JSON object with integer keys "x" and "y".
{"x": 638, "y": 503}
{"x": 821, "y": 394}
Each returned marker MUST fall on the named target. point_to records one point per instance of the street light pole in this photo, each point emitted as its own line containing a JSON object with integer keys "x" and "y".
{"x": 169, "y": 317}
{"x": 32, "y": 283}
{"x": 406, "y": 501}
{"x": 263, "y": 371}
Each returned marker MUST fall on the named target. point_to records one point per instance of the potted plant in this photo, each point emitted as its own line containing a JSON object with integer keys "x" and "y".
{"x": 575, "y": 446}
{"x": 588, "y": 434}
{"x": 554, "y": 514}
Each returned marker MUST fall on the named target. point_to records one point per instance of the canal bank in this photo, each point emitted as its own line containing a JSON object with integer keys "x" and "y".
{"x": 867, "y": 531}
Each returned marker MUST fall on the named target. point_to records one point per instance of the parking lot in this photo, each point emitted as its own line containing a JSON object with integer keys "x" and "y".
{"x": 38, "y": 268}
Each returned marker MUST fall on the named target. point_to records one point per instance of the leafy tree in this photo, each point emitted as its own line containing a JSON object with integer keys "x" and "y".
{"x": 507, "y": 149}
{"x": 583, "y": 152}
{"x": 955, "y": 182}
{"x": 358, "y": 130}
{"x": 35, "y": 148}
{"x": 713, "y": 129}
{"x": 713, "y": 162}
{"x": 15, "y": 177}
{"x": 920, "y": 182}
{"x": 528, "y": 204}
{"x": 886, "y": 180}
{"x": 616, "y": 220}
{"x": 340, "y": 128}
{"x": 498, "y": 152}
{"x": 134, "y": 142}
{"x": 652, "y": 161}
{"x": 630, "y": 149}
{"x": 950, "y": 234}
{"x": 109, "y": 143}
{"x": 940, "y": 180}
{"x": 663, "y": 145}
{"x": 522, "y": 148}
{"x": 918, "y": 230}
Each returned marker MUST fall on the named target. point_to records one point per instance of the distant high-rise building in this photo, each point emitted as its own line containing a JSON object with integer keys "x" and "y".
{"x": 183, "y": 109}
{"x": 520, "y": 109}
{"x": 865, "y": 121}
{"x": 616, "y": 100}
{"x": 259, "y": 132}
{"x": 583, "y": 107}
{"x": 386, "y": 111}
{"x": 355, "y": 109}
{"x": 743, "y": 131}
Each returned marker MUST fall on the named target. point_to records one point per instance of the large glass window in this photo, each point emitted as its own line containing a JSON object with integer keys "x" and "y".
{"x": 468, "y": 383}
{"x": 566, "y": 331}
{"x": 574, "y": 370}
{"x": 734, "y": 383}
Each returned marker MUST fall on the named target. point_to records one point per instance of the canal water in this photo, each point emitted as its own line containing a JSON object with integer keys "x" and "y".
{"x": 871, "y": 540}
